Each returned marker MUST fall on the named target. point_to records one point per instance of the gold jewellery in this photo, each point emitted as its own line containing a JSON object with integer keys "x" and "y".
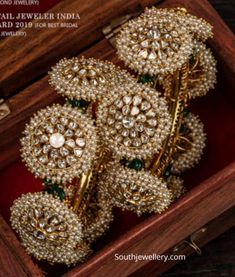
{"x": 121, "y": 139}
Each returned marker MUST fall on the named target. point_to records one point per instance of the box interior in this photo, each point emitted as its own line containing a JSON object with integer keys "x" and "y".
{"x": 216, "y": 111}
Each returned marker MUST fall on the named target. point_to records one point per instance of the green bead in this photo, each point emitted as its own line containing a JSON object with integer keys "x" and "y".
{"x": 146, "y": 78}
{"x": 80, "y": 104}
{"x": 186, "y": 112}
{"x": 191, "y": 60}
{"x": 83, "y": 104}
{"x": 136, "y": 164}
{"x": 55, "y": 190}
{"x": 47, "y": 182}
{"x": 183, "y": 129}
{"x": 167, "y": 172}
{"x": 61, "y": 194}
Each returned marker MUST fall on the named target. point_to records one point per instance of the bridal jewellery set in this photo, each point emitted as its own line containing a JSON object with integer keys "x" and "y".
{"x": 121, "y": 139}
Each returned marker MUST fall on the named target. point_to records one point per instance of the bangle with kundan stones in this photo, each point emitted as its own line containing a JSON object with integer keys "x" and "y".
{"x": 122, "y": 138}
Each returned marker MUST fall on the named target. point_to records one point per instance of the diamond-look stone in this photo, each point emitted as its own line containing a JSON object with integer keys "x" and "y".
{"x": 61, "y": 164}
{"x": 54, "y": 153}
{"x": 78, "y": 133}
{"x": 137, "y": 100}
{"x": 54, "y": 220}
{"x": 68, "y": 133}
{"x": 81, "y": 142}
{"x": 128, "y": 122}
{"x": 141, "y": 118}
{"x": 118, "y": 115}
{"x": 49, "y": 129}
{"x": 152, "y": 56}
{"x": 39, "y": 235}
{"x": 150, "y": 131}
{"x": 119, "y": 103}
{"x": 143, "y": 54}
{"x": 145, "y": 43}
{"x": 155, "y": 45}
{"x": 82, "y": 72}
{"x": 37, "y": 213}
{"x": 144, "y": 139}
{"x": 38, "y": 132}
{"x": 70, "y": 143}
{"x": 42, "y": 223}
{"x": 112, "y": 110}
{"x": 110, "y": 120}
{"x": 152, "y": 122}
{"x": 94, "y": 82}
{"x": 145, "y": 106}
{"x": 78, "y": 152}
{"x": 44, "y": 138}
{"x": 92, "y": 73}
{"x": 60, "y": 127}
{"x": 118, "y": 125}
{"x": 43, "y": 159}
{"x": 151, "y": 113}
{"x": 137, "y": 142}
{"x": 127, "y": 99}
{"x": 125, "y": 133}
{"x": 72, "y": 125}
{"x": 154, "y": 33}
{"x": 70, "y": 159}
{"x": 140, "y": 127}
{"x": 133, "y": 133}
{"x": 33, "y": 223}
{"x": 127, "y": 142}
{"x": 46, "y": 148}
{"x": 125, "y": 110}
{"x": 135, "y": 110}
{"x": 50, "y": 229}
{"x": 64, "y": 151}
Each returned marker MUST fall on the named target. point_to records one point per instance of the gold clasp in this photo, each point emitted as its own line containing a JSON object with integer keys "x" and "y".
{"x": 191, "y": 242}
{"x": 114, "y": 27}
{"x": 4, "y": 109}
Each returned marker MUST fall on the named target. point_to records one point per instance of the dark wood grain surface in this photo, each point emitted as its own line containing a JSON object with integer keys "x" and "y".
{"x": 218, "y": 257}
{"x": 226, "y": 9}
{"x": 14, "y": 262}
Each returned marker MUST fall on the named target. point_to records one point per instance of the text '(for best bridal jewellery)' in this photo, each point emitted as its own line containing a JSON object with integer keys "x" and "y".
{"x": 19, "y": 24}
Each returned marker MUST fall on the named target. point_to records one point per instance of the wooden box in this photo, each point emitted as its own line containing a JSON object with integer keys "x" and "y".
{"x": 204, "y": 212}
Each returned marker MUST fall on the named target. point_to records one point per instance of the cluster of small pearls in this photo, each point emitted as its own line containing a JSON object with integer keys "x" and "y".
{"x": 176, "y": 187}
{"x": 98, "y": 216}
{"x": 133, "y": 121}
{"x": 191, "y": 156}
{"x": 48, "y": 229}
{"x": 199, "y": 27}
{"x": 202, "y": 77}
{"x": 88, "y": 79}
{"x": 139, "y": 192}
{"x": 154, "y": 43}
{"x": 59, "y": 143}
{"x": 207, "y": 77}
{"x": 194, "y": 25}
{"x": 69, "y": 191}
